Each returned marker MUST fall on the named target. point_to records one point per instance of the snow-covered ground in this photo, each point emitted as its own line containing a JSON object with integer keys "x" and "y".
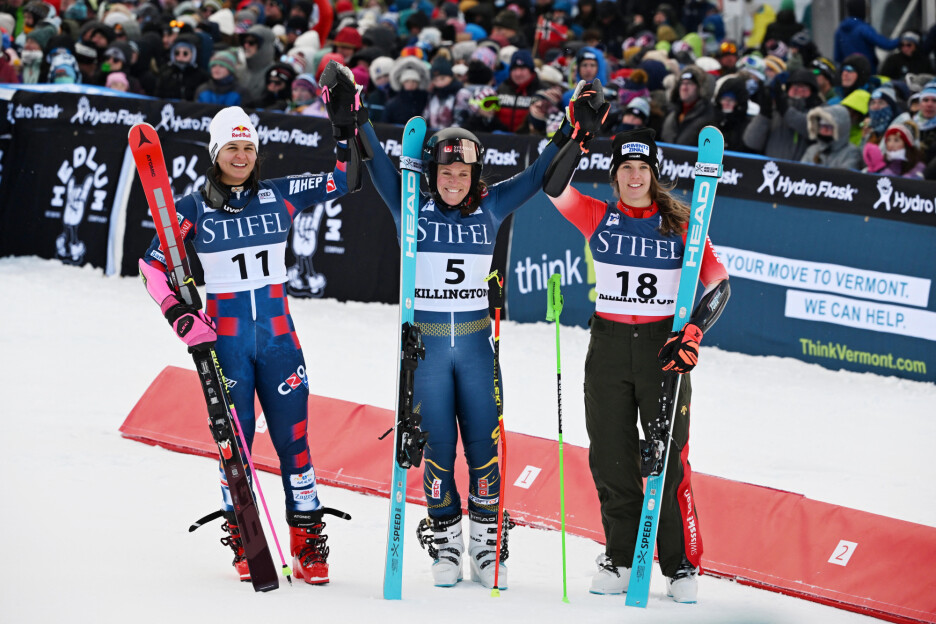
{"x": 94, "y": 527}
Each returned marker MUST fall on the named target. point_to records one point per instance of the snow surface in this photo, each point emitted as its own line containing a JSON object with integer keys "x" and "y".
{"x": 95, "y": 526}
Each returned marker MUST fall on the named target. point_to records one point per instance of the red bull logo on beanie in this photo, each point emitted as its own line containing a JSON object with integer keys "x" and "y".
{"x": 241, "y": 132}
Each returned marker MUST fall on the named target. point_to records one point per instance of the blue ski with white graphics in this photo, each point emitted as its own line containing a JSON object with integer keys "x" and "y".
{"x": 408, "y": 439}
{"x": 708, "y": 170}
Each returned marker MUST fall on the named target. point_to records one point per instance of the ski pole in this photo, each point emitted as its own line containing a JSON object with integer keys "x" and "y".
{"x": 287, "y": 571}
{"x": 497, "y": 298}
{"x": 553, "y": 310}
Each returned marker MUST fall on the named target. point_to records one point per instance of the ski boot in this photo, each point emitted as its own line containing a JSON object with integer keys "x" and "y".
{"x": 443, "y": 536}
{"x": 684, "y": 585}
{"x": 307, "y": 544}
{"x": 483, "y": 535}
{"x": 233, "y": 539}
{"x": 609, "y": 579}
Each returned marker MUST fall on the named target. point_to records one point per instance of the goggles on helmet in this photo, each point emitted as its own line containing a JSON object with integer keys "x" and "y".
{"x": 447, "y": 151}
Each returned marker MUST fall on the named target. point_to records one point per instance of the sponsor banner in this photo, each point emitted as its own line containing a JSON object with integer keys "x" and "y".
{"x": 870, "y": 315}
{"x": 834, "y": 278}
{"x": 60, "y": 177}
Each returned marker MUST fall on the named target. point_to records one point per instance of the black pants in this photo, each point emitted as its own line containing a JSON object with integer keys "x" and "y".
{"x": 622, "y": 382}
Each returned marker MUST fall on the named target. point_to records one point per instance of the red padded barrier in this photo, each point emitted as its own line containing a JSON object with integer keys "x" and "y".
{"x": 756, "y": 535}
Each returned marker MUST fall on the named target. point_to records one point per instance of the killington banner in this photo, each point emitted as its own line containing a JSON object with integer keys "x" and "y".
{"x": 827, "y": 265}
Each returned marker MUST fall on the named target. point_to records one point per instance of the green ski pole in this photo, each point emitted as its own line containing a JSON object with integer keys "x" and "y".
{"x": 553, "y": 310}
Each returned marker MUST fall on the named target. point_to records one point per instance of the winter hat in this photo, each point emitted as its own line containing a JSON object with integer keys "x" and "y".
{"x": 635, "y": 86}
{"x": 226, "y": 59}
{"x": 85, "y": 53}
{"x": 911, "y": 37}
{"x": 507, "y": 19}
{"x": 230, "y": 124}
{"x": 549, "y": 75}
{"x": 506, "y": 53}
{"x": 754, "y": 65}
{"x": 441, "y": 66}
{"x": 886, "y": 93}
{"x": 929, "y": 89}
{"x": 280, "y": 71}
{"x": 805, "y": 77}
{"x": 637, "y": 144}
{"x": 855, "y": 8}
{"x": 479, "y": 73}
{"x": 640, "y": 107}
{"x": 296, "y": 25}
{"x": 409, "y": 74}
{"x": 775, "y": 64}
{"x": 41, "y": 35}
{"x": 380, "y": 67}
{"x": 476, "y": 31}
{"x": 307, "y": 81}
{"x": 350, "y": 37}
{"x": 522, "y": 58}
{"x": 225, "y": 21}
{"x": 909, "y": 132}
{"x": 115, "y": 78}
{"x": 485, "y": 55}
{"x": 857, "y": 101}
{"x": 825, "y": 67}
{"x": 873, "y": 158}
{"x": 361, "y": 76}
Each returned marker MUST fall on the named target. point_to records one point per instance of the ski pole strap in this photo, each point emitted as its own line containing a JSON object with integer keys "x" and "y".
{"x": 553, "y": 298}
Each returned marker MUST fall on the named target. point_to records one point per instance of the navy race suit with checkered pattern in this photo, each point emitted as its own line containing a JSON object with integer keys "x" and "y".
{"x": 243, "y": 256}
{"x": 454, "y": 386}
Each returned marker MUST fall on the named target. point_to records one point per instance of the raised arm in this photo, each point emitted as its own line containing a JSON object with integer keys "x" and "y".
{"x": 385, "y": 176}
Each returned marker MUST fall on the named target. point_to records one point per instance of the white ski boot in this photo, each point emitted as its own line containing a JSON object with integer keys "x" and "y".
{"x": 443, "y": 537}
{"x": 609, "y": 579}
{"x": 482, "y": 550}
{"x": 684, "y": 585}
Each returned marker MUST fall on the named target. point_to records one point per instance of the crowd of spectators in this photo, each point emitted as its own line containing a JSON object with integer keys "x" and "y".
{"x": 503, "y": 66}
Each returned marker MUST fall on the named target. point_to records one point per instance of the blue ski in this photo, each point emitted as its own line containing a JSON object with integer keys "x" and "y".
{"x": 408, "y": 439}
{"x": 708, "y": 170}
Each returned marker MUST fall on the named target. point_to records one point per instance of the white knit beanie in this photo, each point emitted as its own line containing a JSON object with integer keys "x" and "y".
{"x": 230, "y": 124}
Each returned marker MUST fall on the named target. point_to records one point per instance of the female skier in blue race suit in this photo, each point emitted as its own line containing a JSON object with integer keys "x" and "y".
{"x": 454, "y": 386}
{"x": 238, "y": 225}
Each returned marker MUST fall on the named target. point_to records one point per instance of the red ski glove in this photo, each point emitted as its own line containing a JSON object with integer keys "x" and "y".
{"x": 680, "y": 354}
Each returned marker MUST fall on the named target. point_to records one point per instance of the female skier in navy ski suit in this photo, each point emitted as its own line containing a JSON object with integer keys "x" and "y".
{"x": 454, "y": 386}
{"x": 238, "y": 225}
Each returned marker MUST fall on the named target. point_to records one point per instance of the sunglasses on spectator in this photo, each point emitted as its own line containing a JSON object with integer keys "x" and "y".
{"x": 176, "y": 24}
{"x": 182, "y": 53}
{"x": 276, "y": 81}
{"x": 728, "y": 48}
{"x": 849, "y": 68}
{"x": 251, "y": 42}
{"x": 907, "y": 44}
